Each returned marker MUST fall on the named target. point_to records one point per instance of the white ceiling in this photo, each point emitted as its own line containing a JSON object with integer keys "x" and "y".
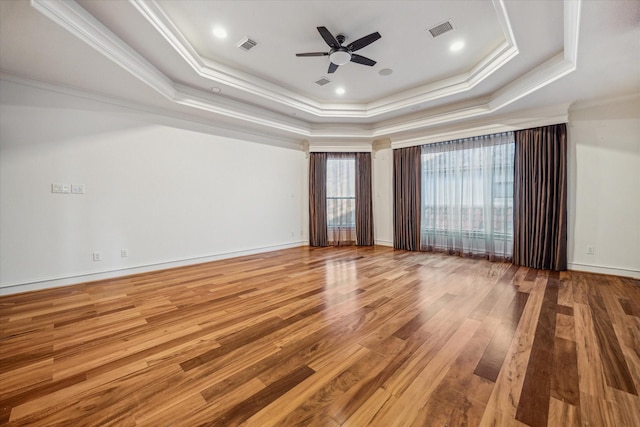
{"x": 162, "y": 55}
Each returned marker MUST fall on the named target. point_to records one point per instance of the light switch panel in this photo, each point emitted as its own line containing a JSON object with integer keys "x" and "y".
{"x": 61, "y": 188}
{"x": 77, "y": 188}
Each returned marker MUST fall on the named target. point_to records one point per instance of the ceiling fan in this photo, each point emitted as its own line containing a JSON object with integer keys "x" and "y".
{"x": 339, "y": 54}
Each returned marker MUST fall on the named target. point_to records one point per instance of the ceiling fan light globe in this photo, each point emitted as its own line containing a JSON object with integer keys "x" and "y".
{"x": 340, "y": 57}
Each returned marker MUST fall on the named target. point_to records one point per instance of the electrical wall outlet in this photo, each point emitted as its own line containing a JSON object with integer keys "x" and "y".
{"x": 124, "y": 253}
{"x": 591, "y": 250}
{"x": 97, "y": 256}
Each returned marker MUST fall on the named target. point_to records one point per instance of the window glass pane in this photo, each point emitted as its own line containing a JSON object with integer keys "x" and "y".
{"x": 341, "y": 177}
{"x": 341, "y": 192}
{"x": 341, "y": 212}
{"x": 467, "y": 196}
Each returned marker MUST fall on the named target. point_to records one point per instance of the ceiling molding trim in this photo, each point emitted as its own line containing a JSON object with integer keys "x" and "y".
{"x": 455, "y": 84}
{"x": 74, "y": 18}
{"x": 502, "y": 54}
{"x": 542, "y": 75}
{"x": 492, "y": 63}
{"x": 83, "y": 25}
{"x": 360, "y": 147}
{"x": 600, "y": 102}
{"x": 448, "y": 87}
{"x": 231, "y": 77}
{"x": 572, "y": 9}
{"x": 239, "y": 111}
{"x": 341, "y": 132}
{"x": 215, "y": 71}
{"x": 551, "y": 70}
{"x": 511, "y": 122}
{"x": 539, "y": 77}
{"x": 165, "y": 117}
{"x": 432, "y": 120}
{"x": 206, "y": 105}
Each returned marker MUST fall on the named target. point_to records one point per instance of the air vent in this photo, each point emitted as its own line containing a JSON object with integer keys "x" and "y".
{"x": 247, "y": 44}
{"x": 439, "y": 30}
{"x": 323, "y": 81}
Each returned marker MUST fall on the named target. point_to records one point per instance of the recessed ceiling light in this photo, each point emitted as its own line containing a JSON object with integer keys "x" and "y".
{"x": 340, "y": 91}
{"x": 220, "y": 32}
{"x": 456, "y": 46}
{"x": 385, "y": 71}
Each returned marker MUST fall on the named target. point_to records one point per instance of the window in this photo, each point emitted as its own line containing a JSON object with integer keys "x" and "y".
{"x": 340, "y": 205}
{"x": 467, "y": 196}
{"x": 341, "y": 199}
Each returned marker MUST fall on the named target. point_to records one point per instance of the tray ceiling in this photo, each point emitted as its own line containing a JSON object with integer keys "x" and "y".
{"x": 167, "y": 53}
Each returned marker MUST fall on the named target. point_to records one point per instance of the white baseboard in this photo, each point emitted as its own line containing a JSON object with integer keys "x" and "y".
{"x": 90, "y": 277}
{"x": 110, "y": 274}
{"x": 614, "y": 271}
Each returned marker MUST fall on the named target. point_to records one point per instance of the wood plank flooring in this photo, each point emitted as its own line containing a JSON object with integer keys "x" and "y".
{"x": 326, "y": 337}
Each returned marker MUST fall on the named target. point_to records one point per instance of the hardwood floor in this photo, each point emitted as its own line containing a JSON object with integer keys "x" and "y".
{"x": 326, "y": 337}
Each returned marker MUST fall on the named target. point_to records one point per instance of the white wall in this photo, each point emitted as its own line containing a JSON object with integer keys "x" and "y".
{"x": 175, "y": 195}
{"x": 604, "y": 187}
{"x": 382, "y": 170}
{"x": 164, "y": 193}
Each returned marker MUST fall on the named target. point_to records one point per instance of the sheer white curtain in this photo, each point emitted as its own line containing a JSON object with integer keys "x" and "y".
{"x": 467, "y": 196}
{"x": 341, "y": 199}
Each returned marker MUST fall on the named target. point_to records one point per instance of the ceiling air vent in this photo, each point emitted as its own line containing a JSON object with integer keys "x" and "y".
{"x": 323, "y": 81}
{"x": 247, "y": 44}
{"x": 439, "y": 30}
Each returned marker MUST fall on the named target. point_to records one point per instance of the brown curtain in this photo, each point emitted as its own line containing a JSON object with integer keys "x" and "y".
{"x": 364, "y": 203}
{"x": 317, "y": 199}
{"x": 406, "y": 198}
{"x": 540, "y": 198}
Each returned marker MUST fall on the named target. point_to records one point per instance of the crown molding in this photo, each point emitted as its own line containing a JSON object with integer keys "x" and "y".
{"x": 225, "y": 75}
{"x": 546, "y": 73}
{"x": 79, "y": 22}
{"x": 357, "y": 147}
{"x": 551, "y": 70}
{"x": 75, "y": 19}
{"x": 602, "y": 102}
{"x": 460, "y": 83}
{"x": 509, "y": 122}
{"x": 217, "y": 72}
{"x": 164, "y": 116}
{"x": 239, "y": 111}
{"x": 572, "y": 9}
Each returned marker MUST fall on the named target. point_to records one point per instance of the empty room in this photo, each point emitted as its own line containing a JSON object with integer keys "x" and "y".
{"x": 320, "y": 213}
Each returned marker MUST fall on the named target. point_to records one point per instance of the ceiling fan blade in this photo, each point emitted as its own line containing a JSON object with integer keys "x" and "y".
{"x": 328, "y": 37}
{"x": 313, "y": 54}
{"x": 362, "y": 60}
{"x": 332, "y": 68}
{"x": 364, "y": 41}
